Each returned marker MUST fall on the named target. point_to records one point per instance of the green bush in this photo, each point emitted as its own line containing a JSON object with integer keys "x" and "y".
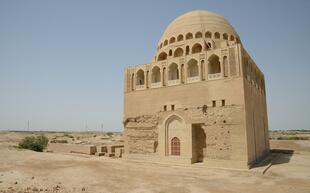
{"x": 110, "y": 133}
{"x": 37, "y": 143}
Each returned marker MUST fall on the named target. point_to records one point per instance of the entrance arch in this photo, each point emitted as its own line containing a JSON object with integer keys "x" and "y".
{"x": 175, "y": 130}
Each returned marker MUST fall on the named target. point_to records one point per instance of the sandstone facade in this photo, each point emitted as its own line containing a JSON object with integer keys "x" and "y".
{"x": 201, "y": 99}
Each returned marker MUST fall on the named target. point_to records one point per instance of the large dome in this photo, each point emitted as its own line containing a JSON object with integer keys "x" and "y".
{"x": 194, "y": 32}
{"x": 198, "y": 21}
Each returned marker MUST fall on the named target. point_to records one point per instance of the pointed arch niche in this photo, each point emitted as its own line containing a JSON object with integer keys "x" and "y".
{"x": 175, "y": 129}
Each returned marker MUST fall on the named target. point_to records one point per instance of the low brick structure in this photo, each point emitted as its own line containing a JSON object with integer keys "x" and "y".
{"x": 115, "y": 150}
{"x": 72, "y": 148}
{"x": 119, "y": 152}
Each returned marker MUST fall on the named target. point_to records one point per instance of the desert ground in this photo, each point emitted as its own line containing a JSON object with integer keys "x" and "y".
{"x": 28, "y": 171}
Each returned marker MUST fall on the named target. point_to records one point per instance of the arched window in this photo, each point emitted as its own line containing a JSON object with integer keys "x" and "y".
{"x": 155, "y": 74}
{"x": 164, "y": 76}
{"x": 217, "y": 35}
{"x": 175, "y": 146}
{"x": 256, "y": 77}
{"x": 225, "y": 65}
{"x": 172, "y": 40}
{"x": 248, "y": 69}
{"x": 161, "y": 45}
{"x": 202, "y": 69}
{"x": 178, "y": 52}
{"x": 263, "y": 85}
{"x": 162, "y": 56}
{"x": 182, "y": 73}
{"x": 258, "y": 80}
{"x": 237, "y": 40}
{"x": 133, "y": 81}
{"x": 173, "y": 71}
{"x": 208, "y": 45}
{"x": 192, "y": 68}
{"x": 189, "y": 36}
{"x": 196, "y": 48}
{"x": 180, "y": 37}
{"x": 214, "y": 65}
{"x": 187, "y": 50}
{"x": 140, "y": 77}
{"x": 225, "y": 36}
{"x": 165, "y": 42}
{"x": 198, "y": 35}
{"x": 232, "y": 38}
{"x": 208, "y": 34}
{"x": 147, "y": 79}
{"x": 170, "y": 52}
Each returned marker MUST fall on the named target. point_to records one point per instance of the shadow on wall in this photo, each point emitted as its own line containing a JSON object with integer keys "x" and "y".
{"x": 276, "y": 156}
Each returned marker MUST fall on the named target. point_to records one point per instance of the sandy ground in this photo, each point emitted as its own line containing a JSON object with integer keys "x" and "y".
{"x": 28, "y": 171}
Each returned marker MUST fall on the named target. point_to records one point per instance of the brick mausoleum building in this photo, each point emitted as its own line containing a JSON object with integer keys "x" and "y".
{"x": 201, "y": 98}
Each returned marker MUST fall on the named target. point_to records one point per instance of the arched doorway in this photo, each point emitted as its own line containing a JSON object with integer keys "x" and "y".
{"x": 199, "y": 142}
{"x": 175, "y": 130}
{"x": 175, "y": 146}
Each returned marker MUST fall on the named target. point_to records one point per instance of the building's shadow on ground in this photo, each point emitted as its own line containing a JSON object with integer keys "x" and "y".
{"x": 276, "y": 156}
{"x": 282, "y": 156}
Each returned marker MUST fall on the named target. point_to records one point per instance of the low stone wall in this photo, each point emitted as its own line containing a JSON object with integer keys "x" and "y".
{"x": 142, "y": 140}
{"x": 141, "y": 134}
{"x": 72, "y": 148}
{"x": 119, "y": 151}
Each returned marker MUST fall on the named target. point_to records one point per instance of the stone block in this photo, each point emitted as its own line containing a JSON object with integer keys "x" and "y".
{"x": 111, "y": 148}
{"x": 99, "y": 153}
{"x": 103, "y": 148}
{"x": 72, "y": 148}
{"x": 109, "y": 154}
{"x": 119, "y": 152}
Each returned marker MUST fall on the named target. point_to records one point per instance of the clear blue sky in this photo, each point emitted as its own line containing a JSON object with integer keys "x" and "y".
{"x": 61, "y": 61}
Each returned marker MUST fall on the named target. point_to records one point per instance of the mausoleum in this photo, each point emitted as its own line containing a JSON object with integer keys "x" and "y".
{"x": 201, "y": 98}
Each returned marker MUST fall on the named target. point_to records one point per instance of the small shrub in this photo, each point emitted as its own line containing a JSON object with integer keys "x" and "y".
{"x": 110, "y": 133}
{"x": 37, "y": 143}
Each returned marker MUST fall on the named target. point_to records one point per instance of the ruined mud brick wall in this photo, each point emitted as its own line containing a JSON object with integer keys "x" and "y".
{"x": 141, "y": 134}
{"x": 220, "y": 124}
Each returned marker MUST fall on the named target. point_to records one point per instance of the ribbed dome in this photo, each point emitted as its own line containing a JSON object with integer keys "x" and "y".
{"x": 198, "y": 21}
